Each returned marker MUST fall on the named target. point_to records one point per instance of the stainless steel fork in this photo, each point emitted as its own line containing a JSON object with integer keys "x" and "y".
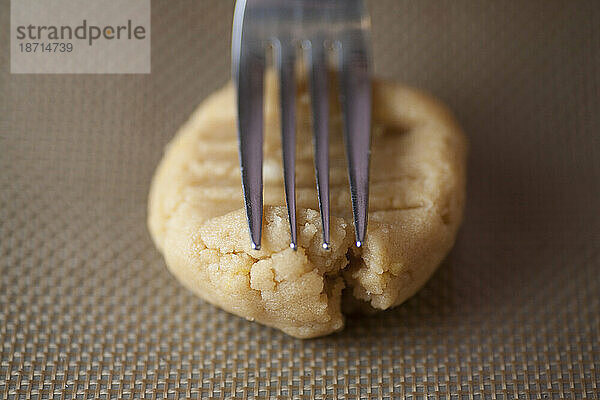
{"x": 318, "y": 26}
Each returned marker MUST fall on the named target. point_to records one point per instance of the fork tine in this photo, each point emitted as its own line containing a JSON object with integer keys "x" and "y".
{"x": 284, "y": 60}
{"x": 249, "y": 76}
{"x": 355, "y": 96}
{"x": 316, "y": 64}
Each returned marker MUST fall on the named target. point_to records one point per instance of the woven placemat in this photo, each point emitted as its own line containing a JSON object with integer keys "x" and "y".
{"x": 89, "y": 310}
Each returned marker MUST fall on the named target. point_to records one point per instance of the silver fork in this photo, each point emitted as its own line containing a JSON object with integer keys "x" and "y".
{"x": 318, "y": 26}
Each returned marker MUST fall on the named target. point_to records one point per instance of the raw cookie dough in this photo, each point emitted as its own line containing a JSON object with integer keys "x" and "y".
{"x": 417, "y": 192}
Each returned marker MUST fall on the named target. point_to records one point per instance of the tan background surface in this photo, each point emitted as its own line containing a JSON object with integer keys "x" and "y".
{"x": 88, "y": 309}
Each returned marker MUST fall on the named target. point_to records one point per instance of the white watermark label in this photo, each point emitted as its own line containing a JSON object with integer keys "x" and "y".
{"x": 80, "y": 36}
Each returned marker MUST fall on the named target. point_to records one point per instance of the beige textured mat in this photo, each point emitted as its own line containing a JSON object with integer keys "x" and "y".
{"x": 88, "y": 309}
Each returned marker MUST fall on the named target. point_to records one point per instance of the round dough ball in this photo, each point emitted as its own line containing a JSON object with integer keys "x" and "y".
{"x": 417, "y": 192}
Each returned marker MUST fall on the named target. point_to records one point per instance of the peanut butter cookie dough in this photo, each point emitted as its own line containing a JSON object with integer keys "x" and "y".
{"x": 197, "y": 220}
